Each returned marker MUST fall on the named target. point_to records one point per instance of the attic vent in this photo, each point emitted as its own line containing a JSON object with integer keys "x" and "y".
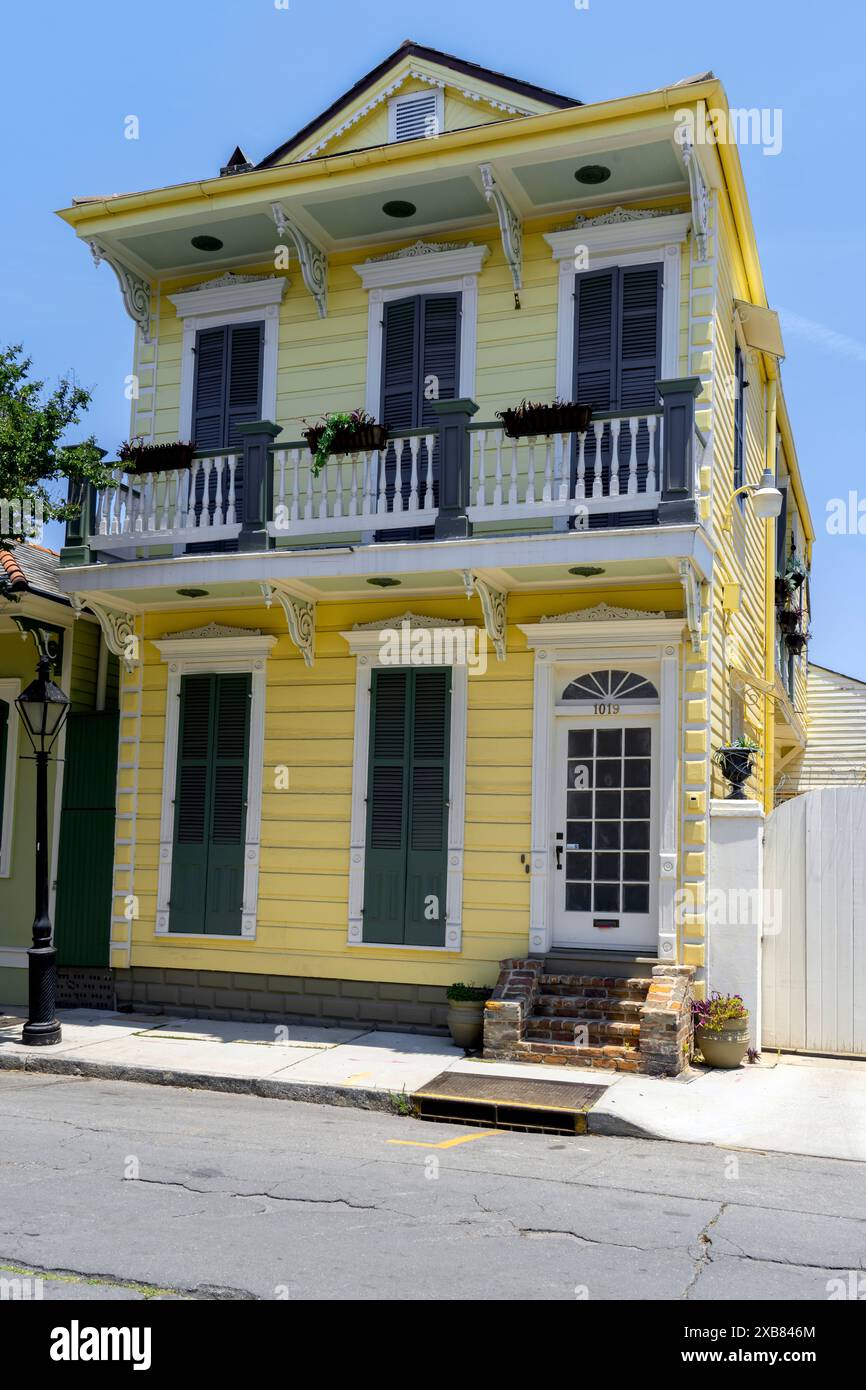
{"x": 415, "y": 116}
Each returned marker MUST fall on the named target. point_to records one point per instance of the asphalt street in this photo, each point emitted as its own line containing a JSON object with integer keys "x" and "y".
{"x": 112, "y": 1190}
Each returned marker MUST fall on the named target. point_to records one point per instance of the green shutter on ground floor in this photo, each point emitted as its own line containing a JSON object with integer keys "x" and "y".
{"x": 405, "y": 871}
{"x": 207, "y": 878}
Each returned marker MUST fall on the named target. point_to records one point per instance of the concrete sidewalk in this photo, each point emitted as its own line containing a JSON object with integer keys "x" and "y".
{"x": 783, "y": 1104}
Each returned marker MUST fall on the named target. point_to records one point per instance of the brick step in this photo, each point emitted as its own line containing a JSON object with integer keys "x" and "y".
{"x": 594, "y": 986}
{"x": 600, "y": 1032}
{"x": 610, "y": 1058}
{"x": 585, "y": 1006}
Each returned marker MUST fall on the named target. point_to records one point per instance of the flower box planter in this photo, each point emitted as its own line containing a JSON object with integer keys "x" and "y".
{"x": 155, "y": 458}
{"x": 737, "y": 765}
{"x": 563, "y": 417}
{"x": 349, "y": 440}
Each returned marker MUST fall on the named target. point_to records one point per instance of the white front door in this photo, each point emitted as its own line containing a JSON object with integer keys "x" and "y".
{"x": 604, "y": 827}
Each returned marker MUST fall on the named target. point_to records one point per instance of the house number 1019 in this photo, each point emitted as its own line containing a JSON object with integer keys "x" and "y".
{"x": 606, "y": 709}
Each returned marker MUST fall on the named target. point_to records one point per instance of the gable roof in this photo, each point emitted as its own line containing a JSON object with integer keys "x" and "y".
{"x": 410, "y": 49}
{"x": 30, "y": 569}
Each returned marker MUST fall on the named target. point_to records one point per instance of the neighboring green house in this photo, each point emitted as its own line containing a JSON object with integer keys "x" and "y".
{"x": 35, "y": 614}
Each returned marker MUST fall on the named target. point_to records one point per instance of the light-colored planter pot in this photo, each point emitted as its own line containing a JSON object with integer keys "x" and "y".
{"x": 725, "y": 1048}
{"x": 466, "y": 1022}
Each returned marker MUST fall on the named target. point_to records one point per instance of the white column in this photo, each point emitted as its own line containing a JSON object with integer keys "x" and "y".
{"x": 735, "y": 904}
{"x": 668, "y": 805}
{"x": 540, "y": 926}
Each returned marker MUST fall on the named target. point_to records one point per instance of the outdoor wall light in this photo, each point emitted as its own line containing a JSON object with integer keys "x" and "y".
{"x": 397, "y": 208}
{"x": 207, "y": 243}
{"x": 765, "y": 497}
{"x": 43, "y": 708}
{"x": 592, "y": 173}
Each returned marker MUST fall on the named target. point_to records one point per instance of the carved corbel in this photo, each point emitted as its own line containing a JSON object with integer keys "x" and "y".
{"x": 692, "y": 590}
{"x": 510, "y": 228}
{"x": 700, "y": 196}
{"x": 494, "y": 606}
{"x": 300, "y": 617}
{"x": 135, "y": 291}
{"x": 314, "y": 261}
{"x": 118, "y": 628}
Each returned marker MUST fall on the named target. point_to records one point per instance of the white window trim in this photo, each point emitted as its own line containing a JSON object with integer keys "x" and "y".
{"x": 559, "y": 648}
{"x": 436, "y": 272}
{"x": 254, "y": 302}
{"x": 366, "y": 646}
{"x": 206, "y": 655}
{"x": 9, "y": 691}
{"x": 405, "y": 100}
{"x": 630, "y": 243}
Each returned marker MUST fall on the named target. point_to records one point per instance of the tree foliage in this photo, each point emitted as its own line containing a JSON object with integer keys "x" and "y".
{"x": 32, "y": 424}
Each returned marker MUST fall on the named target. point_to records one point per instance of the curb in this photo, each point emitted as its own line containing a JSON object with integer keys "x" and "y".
{"x": 346, "y": 1096}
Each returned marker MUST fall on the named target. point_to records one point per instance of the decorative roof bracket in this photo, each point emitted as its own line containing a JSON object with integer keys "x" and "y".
{"x": 494, "y": 606}
{"x": 510, "y": 228}
{"x": 692, "y": 590}
{"x": 700, "y": 196}
{"x": 118, "y": 628}
{"x": 135, "y": 290}
{"x": 314, "y": 261}
{"x": 300, "y": 617}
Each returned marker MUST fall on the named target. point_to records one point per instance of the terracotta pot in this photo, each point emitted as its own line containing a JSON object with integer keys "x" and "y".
{"x": 466, "y": 1022}
{"x": 725, "y": 1048}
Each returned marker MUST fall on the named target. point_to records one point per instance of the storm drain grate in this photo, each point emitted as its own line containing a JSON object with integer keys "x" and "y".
{"x": 508, "y": 1102}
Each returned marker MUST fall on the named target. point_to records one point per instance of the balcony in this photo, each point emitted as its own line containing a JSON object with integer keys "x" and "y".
{"x": 456, "y": 479}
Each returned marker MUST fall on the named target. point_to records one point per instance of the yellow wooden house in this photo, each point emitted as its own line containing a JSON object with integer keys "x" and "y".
{"x": 451, "y": 697}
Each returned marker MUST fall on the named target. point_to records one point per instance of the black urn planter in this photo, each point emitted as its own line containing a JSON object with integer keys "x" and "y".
{"x": 737, "y": 765}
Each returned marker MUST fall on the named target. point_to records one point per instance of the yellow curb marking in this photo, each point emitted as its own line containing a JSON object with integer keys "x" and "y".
{"x": 357, "y": 1076}
{"x": 446, "y": 1143}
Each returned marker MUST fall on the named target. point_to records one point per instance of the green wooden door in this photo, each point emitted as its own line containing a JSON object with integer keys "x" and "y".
{"x": 405, "y": 871}
{"x": 207, "y": 879}
{"x": 82, "y": 916}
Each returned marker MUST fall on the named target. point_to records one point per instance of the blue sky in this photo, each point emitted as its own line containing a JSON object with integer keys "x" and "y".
{"x": 207, "y": 75}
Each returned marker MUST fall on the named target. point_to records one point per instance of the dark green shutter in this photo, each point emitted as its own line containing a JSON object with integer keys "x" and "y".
{"x": 421, "y": 339}
{"x": 739, "y": 424}
{"x": 595, "y": 320}
{"x": 782, "y": 529}
{"x": 228, "y": 383}
{"x": 210, "y": 805}
{"x": 82, "y": 925}
{"x": 4, "y": 743}
{"x": 405, "y": 873}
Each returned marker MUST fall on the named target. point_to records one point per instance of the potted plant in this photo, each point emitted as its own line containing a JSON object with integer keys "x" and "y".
{"x": 737, "y": 761}
{"x": 532, "y": 418}
{"x": 721, "y": 1029}
{"x": 139, "y": 457}
{"x": 466, "y": 1014}
{"x": 788, "y": 620}
{"x": 796, "y": 572}
{"x": 796, "y": 642}
{"x": 784, "y": 589}
{"x": 343, "y": 432}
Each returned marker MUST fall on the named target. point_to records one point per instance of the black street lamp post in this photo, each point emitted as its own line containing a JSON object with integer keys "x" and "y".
{"x": 43, "y": 708}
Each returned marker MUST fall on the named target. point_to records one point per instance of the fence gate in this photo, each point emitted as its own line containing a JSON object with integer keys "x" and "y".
{"x": 814, "y": 947}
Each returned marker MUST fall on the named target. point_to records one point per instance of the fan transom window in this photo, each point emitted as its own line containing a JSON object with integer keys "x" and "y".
{"x": 619, "y": 686}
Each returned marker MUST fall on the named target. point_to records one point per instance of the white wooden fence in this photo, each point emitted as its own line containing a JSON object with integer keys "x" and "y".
{"x": 814, "y": 946}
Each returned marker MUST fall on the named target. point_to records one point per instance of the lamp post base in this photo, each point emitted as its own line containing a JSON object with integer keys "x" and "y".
{"x": 42, "y": 1029}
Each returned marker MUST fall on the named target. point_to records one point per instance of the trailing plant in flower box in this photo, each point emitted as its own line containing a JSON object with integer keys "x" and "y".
{"x": 139, "y": 457}
{"x": 343, "y": 432}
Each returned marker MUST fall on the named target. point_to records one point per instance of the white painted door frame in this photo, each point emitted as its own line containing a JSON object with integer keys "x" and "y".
{"x": 563, "y": 646}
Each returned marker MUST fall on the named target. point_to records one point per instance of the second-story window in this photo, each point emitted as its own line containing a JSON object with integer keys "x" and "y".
{"x": 739, "y": 424}
{"x": 228, "y": 383}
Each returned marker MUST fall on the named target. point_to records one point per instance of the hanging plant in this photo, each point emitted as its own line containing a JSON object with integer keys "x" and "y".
{"x": 796, "y": 642}
{"x": 532, "y": 418}
{"x": 139, "y": 457}
{"x": 796, "y": 572}
{"x": 343, "y": 432}
{"x": 788, "y": 620}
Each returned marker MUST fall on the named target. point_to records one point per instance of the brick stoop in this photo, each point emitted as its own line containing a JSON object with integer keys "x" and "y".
{"x": 612, "y": 1023}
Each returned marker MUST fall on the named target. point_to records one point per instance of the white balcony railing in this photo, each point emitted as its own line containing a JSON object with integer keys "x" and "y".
{"x": 613, "y": 466}
{"x": 372, "y": 490}
{"x": 180, "y": 506}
